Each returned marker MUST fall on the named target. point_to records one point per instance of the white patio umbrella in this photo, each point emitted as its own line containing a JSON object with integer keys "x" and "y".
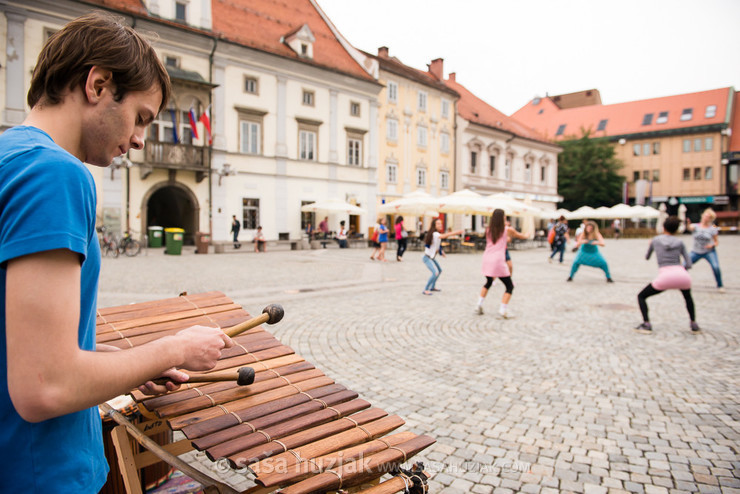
{"x": 584, "y": 212}
{"x": 514, "y": 207}
{"x": 559, "y": 212}
{"x": 603, "y": 213}
{"x": 464, "y": 202}
{"x": 416, "y": 203}
{"x": 645, "y": 212}
{"x": 332, "y": 206}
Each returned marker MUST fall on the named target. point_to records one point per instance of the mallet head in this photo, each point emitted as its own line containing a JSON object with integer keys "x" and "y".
{"x": 245, "y": 376}
{"x": 275, "y": 313}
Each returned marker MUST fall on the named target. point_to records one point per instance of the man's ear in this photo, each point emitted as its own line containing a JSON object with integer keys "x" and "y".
{"x": 98, "y": 81}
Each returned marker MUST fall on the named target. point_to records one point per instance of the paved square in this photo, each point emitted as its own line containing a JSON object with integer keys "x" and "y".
{"x": 565, "y": 397}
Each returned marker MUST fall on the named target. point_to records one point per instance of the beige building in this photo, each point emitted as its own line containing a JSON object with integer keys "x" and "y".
{"x": 673, "y": 148}
{"x": 417, "y": 132}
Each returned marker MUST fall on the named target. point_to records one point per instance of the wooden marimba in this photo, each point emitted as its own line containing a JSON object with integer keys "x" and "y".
{"x": 294, "y": 428}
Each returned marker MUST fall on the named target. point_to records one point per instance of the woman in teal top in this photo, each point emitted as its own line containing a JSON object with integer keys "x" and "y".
{"x": 588, "y": 253}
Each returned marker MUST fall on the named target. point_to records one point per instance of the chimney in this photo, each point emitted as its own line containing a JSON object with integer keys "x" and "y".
{"x": 436, "y": 69}
{"x": 383, "y": 52}
{"x": 451, "y": 77}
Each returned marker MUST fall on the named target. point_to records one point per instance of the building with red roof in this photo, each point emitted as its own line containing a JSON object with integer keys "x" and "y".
{"x": 497, "y": 153}
{"x": 672, "y": 147}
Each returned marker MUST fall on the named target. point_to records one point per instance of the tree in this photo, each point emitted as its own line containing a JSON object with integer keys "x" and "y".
{"x": 587, "y": 173}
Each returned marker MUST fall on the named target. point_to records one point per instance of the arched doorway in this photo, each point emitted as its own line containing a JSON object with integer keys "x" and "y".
{"x": 172, "y": 205}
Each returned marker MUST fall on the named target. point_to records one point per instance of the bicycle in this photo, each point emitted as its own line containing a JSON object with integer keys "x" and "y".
{"x": 108, "y": 245}
{"x": 129, "y": 246}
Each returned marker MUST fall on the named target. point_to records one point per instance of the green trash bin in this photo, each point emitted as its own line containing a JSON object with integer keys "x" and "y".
{"x": 155, "y": 236}
{"x": 173, "y": 240}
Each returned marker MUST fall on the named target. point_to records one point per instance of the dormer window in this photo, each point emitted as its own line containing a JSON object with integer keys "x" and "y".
{"x": 181, "y": 11}
{"x": 687, "y": 114}
{"x": 301, "y": 41}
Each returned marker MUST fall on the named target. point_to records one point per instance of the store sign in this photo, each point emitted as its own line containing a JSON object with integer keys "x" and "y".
{"x": 696, "y": 200}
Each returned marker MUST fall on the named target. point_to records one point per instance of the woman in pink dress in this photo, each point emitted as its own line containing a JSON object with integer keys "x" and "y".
{"x": 494, "y": 261}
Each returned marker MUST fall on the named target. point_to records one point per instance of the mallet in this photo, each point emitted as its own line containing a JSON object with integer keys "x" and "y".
{"x": 244, "y": 377}
{"x": 271, "y": 314}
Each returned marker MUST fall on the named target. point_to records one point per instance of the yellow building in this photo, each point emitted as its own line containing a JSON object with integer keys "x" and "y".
{"x": 417, "y": 132}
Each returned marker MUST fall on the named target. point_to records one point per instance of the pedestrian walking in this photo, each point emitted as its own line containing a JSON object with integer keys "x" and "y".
{"x": 401, "y": 238}
{"x": 95, "y": 88}
{"x": 617, "y": 226}
{"x": 588, "y": 251}
{"x": 432, "y": 247}
{"x": 706, "y": 239}
{"x": 382, "y": 239}
{"x": 560, "y": 238}
{"x": 324, "y": 227}
{"x": 342, "y": 236}
{"x": 672, "y": 275}
{"x": 494, "y": 261}
{"x": 374, "y": 241}
{"x": 235, "y": 227}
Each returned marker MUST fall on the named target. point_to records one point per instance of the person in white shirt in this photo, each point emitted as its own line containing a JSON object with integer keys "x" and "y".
{"x": 432, "y": 246}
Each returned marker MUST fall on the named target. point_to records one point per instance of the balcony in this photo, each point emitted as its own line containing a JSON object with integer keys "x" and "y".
{"x": 178, "y": 157}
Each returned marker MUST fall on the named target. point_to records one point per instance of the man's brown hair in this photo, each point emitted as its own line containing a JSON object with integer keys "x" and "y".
{"x": 96, "y": 39}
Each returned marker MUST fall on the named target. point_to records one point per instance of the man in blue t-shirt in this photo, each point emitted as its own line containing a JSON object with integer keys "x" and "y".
{"x": 96, "y": 86}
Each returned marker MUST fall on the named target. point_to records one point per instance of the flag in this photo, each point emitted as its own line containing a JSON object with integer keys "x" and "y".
{"x": 175, "y": 139}
{"x": 205, "y": 117}
{"x": 193, "y": 125}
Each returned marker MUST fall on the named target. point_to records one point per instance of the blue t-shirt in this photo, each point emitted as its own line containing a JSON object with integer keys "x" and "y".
{"x": 47, "y": 201}
{"x": 383, "y": 235}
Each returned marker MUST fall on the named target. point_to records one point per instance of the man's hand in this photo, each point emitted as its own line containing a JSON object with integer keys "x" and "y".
{"x": 176, "y": 377}
{"x": 202, "y": 347}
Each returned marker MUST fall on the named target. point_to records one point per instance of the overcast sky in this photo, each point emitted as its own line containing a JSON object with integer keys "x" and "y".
{"x": 506, "y": 52}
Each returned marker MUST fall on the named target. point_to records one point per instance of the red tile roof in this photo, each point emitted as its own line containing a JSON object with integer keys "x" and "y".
{"x": 260, "y": 24}
{"x": 626, "y": 118}
{"x": 395, "y": 66}
{"x": 735, "y": 126}
{"x": 474, "y": 109}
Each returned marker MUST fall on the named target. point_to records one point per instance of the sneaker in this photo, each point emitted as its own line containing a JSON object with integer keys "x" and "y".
{"x": 609, "y": 280}
{"x": 570, "y": 278}
{"x": 644, "y": 328}
{"x": 436, "y": 290}
{"x": 505, "y": 314}
{"x": 721, "y": 290}
{"x": 479, "y": 310}
{"x": 695, "y": 328}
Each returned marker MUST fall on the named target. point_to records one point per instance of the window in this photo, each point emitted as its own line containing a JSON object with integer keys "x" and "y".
{"x": 560, "y": 131}
{"x": 543, "y": 174}
{"x": 711, "y": 111}
{"x": 473, "y": 161}
{"x": 697, "y": 173}
{"x": 656, "y": 175}
{"x": 185, "y": 134}
{"x": 662, "y": 117}
{"x": 507, "y": 168}
{"x": 646, "y": 149}
{"x": 687, "y": 173}
{"x": 686, "y": 145}
{"x": 492, "y": 165}
{"x": 421, "y": 177}
{"x": 304, "y": 49}
{"x": 697, "y": 144}
{"x": 181, "y": 11}
{"x": 656, "y": 147}
{"x": 421, "y": 136}
{"x": 708, "y": 173}
{"x": 445, "y": 108}
{"x": 354, "y": 109}
{"x": 687, "y": 114}
{"x": 171, "y": 61}
{"x": 392, "y": 92}
{"x": 250, "y": 85}
{"x": 646, "y": 174}
{"x": 160, "y": 129}
{"x": 444, "y": 180}
{"x": 636, "y": 150}
{"x": 602, "y": 125}
{"x": 308, "y": 97}
{"x": 444, "y": 142}
{"x": 708, "y": 143}
{"x": 422, "y": 105}
{"x": 391, "y": 173}
{"x": 250, "y": 213}
{"x": 528, "y": 172}
{"x": 307, "y": 145}
{"x": 354, "y": 151}
{"x": 647, "y": 119}
{"x": 391, "y": 129}
{"x": 249, "y": 137}
{"x": 635, "y": 176}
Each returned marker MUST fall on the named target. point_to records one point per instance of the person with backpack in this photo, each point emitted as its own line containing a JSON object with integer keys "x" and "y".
{"x": 560, "y": 238}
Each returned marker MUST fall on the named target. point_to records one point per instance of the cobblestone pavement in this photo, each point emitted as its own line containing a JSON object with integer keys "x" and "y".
{"x": 565, "y": 397}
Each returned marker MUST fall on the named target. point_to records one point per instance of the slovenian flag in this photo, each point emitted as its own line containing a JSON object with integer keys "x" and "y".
{"x": 193, "y": 125}
{"x": 205, "y": 117}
